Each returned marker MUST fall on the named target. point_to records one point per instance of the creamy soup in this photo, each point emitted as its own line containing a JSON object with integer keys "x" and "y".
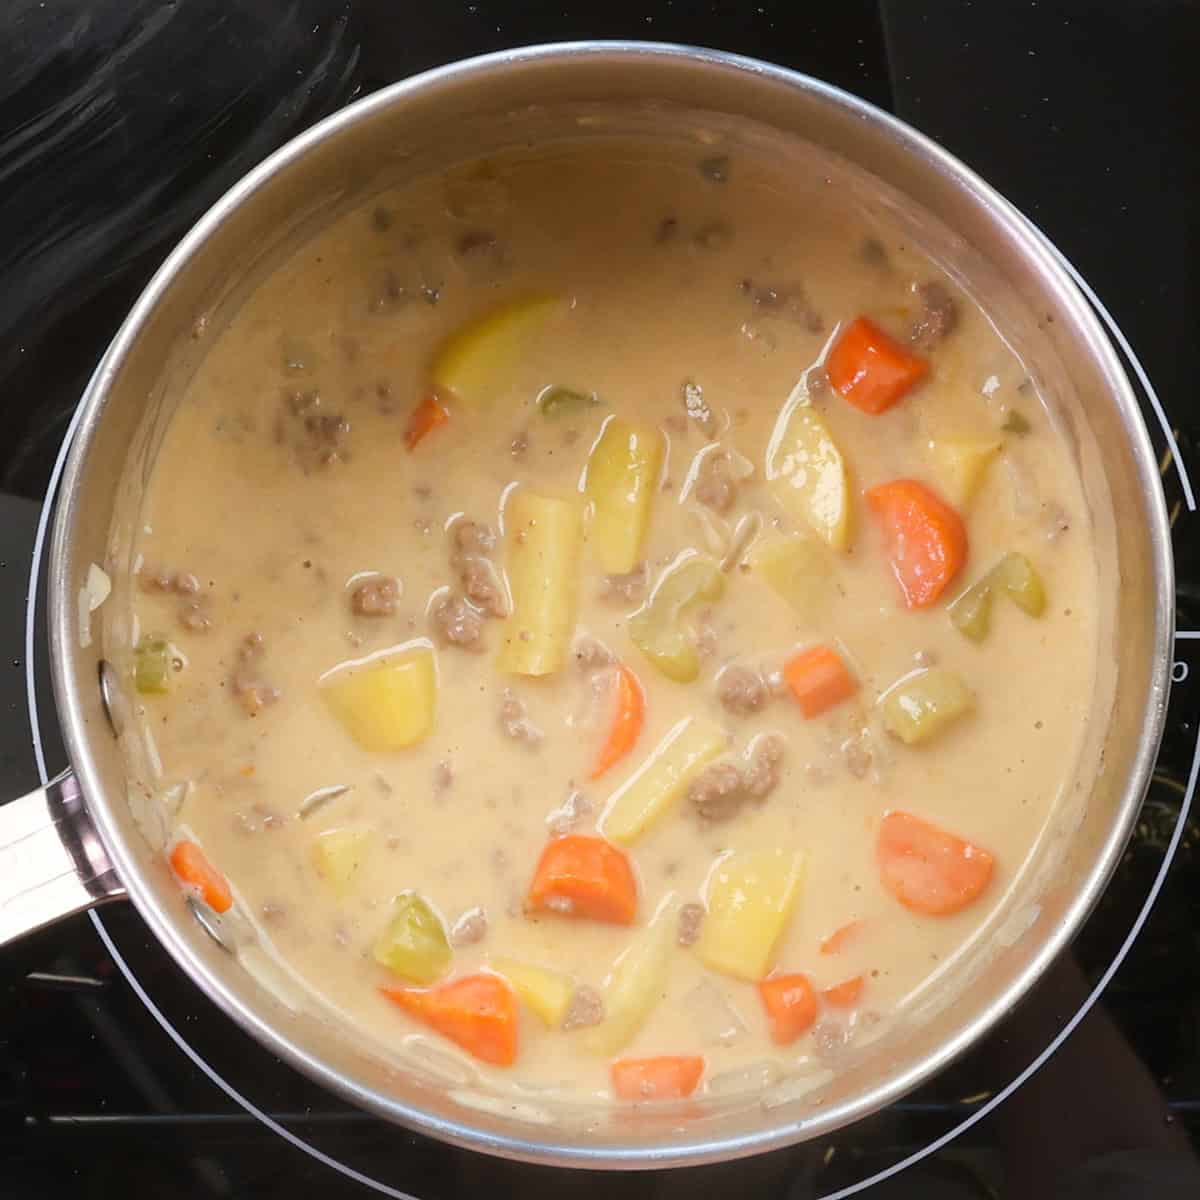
{"x": 623, "y": 617}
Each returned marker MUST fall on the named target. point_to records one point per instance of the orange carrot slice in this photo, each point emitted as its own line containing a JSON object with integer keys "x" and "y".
{"x": 583, "y": 876}
{"x": 668, "y": 1077}
{"x": 926, "y": 539}
{"x": 844, "y": 994}
{"x": 872, "y": 370}
{"x": 477, "y": 1012}
{"x": 627, "y": 724}
{"x": 425, "y": 418}
{"x": 819, "y": 679}
{"x": 191, "y": 864}
{"x": 841, "y": 937}
{"x": 927, "y": 869}
{"x": 791, "y": 1006}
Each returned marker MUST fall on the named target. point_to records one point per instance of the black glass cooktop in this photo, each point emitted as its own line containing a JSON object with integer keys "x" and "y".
{"x": 122, "y": 120}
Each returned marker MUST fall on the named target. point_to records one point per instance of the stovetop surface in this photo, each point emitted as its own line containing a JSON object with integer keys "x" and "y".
{"x": 122, "y": 120}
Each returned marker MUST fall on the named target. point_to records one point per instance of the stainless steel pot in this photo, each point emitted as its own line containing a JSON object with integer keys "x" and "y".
{"x": 80, "y": 841}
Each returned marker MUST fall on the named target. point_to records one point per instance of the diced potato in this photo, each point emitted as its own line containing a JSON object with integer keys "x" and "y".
{"x": 387, "y": 703}
{"x": 543, "y": 536}
{"x": 337, "y": 855}
{"x": 414, "y": 945}
{"x": 662, "y": 778}
{"x": 657, "y": 629}
{"x": 547, "y": 992}
{"x": 636, "y": 982}
{"x": 922, "y": 705}
{"x": 806, "y": 472}
{"x": 474, "y": 361}
{"x": 797, "y": 568}
{"x": 960, "y": 463}
{"x": 1021, "y": 583}
{"x": 751, "y": 894}
{"x": 622, "y": 478}
{"x": 152, "y": 667}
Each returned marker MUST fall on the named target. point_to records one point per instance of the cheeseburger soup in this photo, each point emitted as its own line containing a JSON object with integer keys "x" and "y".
{"x": 621, "y": 617}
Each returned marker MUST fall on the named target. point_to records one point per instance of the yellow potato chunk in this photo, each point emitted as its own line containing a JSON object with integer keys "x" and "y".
{"x": 337, "y": 855}
{"x": 923, "y": 704}
{"x": 797, "y": 569}
{"x": 751, "y": 894}
{"x": 960, "y": 463}
{"x": 543, "y": 537}
{"x": 386, "y": 703}
{"x": 636, "y": 982}
{"x": 622, "y": 477}
{"x": 806, "y": 472}
{"x": 659, "y": 782}
{"x": 475, "y": 360}
{"x": 548, "y": 993}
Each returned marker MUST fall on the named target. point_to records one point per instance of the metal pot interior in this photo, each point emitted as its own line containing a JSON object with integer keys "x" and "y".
{"x": 599, "y": 91}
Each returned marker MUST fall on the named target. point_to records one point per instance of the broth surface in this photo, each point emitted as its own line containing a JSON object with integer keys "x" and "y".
{"x": 286, "y": 483}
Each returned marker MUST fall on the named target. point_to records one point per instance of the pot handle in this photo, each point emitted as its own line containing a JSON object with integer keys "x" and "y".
{"x": 52, "y": 862}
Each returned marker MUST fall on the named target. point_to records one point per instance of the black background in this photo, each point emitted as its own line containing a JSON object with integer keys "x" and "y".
{"x": 122, "y": 120}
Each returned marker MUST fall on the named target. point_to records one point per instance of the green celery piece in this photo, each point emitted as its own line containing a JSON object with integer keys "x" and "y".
{"x": 556, "y": 401}
{"x": 152, "y": 666}
{"x": 657, "y": 628}
{"x": 414, "y": 945}
{"x": 971, "y": 613}
{"x": 1021, "y": 582}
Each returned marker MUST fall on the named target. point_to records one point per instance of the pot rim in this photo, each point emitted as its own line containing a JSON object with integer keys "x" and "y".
{"x": 773, "y": 1134}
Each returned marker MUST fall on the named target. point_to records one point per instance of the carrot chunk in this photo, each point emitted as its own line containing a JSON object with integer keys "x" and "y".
{"x": 819, "y": 679}
{"x": 926, "y": 539}
{"x": 669, "y": 1077}
{"x": 844, "y": 994}
{"x": 791, "y": 1006}
{"x": 841, "y": 937}
{"x": 582, "y": 876}
{"x": 872, "y": 370}
{"x": 477, "y": 1012}
{"x": 425, "y": 418}
{"x": 191, "y": 864}
{"x": 927, "y": 869}
{"x": 627, "y": 723}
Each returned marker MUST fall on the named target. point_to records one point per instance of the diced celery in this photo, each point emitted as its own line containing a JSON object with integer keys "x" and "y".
{"x": 1021, "y": 583}
{"x": 797, "y": 568}
{"x": 1016, "y": 576}
{"x": 923, "y": 704}
{"x": 636, "y": 982}
{"x": 414, "y": 945}
{"x": 960, "y": 463}
{"x": 385, "y": 704}
{"x": 547, "y": 992}
{"x": 543, "y": 537}
{"x": 1014, "y": 422}
{"x": 657, "y": 628}
{"x": 622, "y": 477}
{"x": 662, "y": 778}
{"x": 971, "y": 613}
{"x": 555, "y": 401}
{"x": 152, "y": 666}
{"x": 338, "y": 854}
{"x": 474, "y": 362}
{"x": 806, "y": 471}
{"x": 751, "y": 894}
